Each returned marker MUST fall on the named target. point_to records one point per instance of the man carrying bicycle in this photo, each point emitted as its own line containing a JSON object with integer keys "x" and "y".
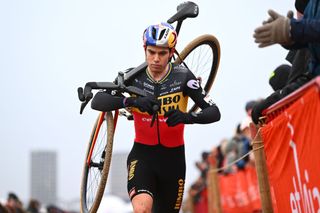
{"x": 156, "y": 163}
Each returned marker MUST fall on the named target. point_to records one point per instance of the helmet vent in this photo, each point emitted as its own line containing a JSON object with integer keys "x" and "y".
{"x": 161, "y": 34}
{"x": 154, "y": 33}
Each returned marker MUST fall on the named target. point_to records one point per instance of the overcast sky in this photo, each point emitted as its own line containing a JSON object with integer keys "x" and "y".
{"x": 50, "y": 48}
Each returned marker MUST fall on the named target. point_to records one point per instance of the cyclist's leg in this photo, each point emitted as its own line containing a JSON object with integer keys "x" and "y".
{"x": 142, "y": 203}
{"x": 141, "y": 181}
{"x": 171, "y": 179}
{"x": 169, "y": 196}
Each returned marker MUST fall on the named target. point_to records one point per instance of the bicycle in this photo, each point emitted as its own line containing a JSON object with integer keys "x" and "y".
{"x": 204, "y": 49}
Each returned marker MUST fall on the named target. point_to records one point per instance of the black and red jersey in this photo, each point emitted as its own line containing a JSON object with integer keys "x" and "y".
{"x": 173, "y": 91}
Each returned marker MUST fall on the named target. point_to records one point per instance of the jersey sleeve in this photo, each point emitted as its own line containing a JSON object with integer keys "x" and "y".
{"x": 194, "y": 90}
{"x": 209, "y": 111}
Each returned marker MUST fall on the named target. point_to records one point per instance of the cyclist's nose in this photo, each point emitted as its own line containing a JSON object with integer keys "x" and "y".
{"x": 156, "y": 57}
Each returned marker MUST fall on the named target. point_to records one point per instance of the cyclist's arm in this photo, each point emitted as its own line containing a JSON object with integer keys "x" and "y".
{"x": 209, "y": 111}
{"x": 105, "y": 102}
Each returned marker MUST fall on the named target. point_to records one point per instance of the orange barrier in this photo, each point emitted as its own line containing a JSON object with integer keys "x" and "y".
{"x": 238, "y": 191}
{"x": 202, "y": 205}
{"x": 291, "y": 144}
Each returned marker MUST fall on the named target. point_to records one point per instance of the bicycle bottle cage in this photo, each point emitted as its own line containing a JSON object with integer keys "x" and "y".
{"x": 185, "y": 10}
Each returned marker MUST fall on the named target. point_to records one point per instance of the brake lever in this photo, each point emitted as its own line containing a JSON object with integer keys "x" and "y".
{"x": 86, "y": 101}
{"x": 81, "y": 94}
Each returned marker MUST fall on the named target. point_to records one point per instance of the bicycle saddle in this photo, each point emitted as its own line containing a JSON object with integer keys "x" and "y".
{"x": 185, "y": 10}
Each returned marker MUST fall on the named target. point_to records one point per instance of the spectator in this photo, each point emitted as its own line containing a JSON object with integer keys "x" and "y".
{"x": 242, "y": 139}
{"x": 203, "y": 165}
{"x": 34, "y": 206}
{"x": 217, "y": 155}
{"x": 229, "y": 150}
{"x": 292, "y": 34}
{"x": 279, "y": 77}
{"x": 14, "y": 205}
{"x": 249, "y": 106}
{"x": 3, "y": 209}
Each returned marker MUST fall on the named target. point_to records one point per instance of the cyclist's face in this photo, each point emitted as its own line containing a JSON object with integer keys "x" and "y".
{"x": 157, "y": 58}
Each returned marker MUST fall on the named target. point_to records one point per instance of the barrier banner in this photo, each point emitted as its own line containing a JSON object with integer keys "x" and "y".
{"x": 202, "y": 205}
{"x": 239, "y": 191}
{"x": 292, "y": 144}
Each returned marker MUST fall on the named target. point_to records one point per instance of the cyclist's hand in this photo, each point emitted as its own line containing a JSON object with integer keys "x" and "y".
{"x": 176, "y": 117}
{"x": 144, "y": 104}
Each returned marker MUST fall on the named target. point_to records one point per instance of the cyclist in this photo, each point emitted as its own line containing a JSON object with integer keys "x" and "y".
{"x": 156, "y": 163}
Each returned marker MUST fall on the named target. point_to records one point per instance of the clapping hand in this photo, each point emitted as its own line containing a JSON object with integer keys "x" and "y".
{"x": 276, "y": 30}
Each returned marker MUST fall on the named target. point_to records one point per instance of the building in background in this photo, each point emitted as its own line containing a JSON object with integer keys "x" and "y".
{"x": 118, "y": 175}
{"x": 43, "y": 176}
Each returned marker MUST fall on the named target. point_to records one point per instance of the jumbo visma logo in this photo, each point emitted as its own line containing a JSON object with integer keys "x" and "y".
{"x": 173, "y": 101}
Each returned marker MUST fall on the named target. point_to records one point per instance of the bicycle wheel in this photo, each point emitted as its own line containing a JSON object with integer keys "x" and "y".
{"x": 97, "y": 163}
{"x": 202, "y": 57}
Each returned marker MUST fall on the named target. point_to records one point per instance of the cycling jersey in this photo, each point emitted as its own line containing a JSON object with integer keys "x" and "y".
{"x": 172, "y": 91}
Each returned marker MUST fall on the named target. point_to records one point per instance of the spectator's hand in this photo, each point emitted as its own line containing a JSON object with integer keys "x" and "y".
{"x": 276, "y": 15}
{"x": 276, "y": 31}
{"x": 144, "y": 104}
{"x": 176, "y": 117}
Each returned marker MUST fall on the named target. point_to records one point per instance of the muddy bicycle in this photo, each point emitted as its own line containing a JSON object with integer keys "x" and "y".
{"x": 201, "y": 56}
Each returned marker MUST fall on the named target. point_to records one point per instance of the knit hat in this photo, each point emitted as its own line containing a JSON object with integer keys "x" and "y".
{"x": 249, "y": 105}
{"x": 300, "y": 5}
{"x": 279, "y": 77}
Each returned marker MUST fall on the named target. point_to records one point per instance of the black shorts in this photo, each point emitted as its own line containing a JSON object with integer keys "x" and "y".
{"x": 160, "y": 172}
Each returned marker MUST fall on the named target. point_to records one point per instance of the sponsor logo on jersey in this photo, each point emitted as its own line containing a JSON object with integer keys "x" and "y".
{"x": 175, "y": 83}
{"x": 149, "y": 86}
{"x": 173, "y": 101}
{"x": 148, "y": 119}
{"x": 193, "y": 84}
{"x": 175, "y": 89}
{"x": 179, "y": 194}
{"x": 132, "y": 169}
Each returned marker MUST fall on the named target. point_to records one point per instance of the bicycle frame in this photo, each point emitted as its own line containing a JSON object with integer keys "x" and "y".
{"x": 100, "y": 120}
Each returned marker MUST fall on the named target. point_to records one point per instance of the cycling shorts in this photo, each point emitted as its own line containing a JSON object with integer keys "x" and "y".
{"x": 160, "y": 172}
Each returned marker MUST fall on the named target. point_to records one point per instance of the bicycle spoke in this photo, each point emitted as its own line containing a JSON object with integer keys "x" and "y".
{"x": 200, "y": 61}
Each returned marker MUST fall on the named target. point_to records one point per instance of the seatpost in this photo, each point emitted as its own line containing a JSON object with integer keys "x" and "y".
{"x": 178, "y": 26}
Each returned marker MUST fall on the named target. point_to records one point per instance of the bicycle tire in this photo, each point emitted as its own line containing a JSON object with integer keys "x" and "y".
{"x": 94, "y": 177}
{"x": 194, "y": 55}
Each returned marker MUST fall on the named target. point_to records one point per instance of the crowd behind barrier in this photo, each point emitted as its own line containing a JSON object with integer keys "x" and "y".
{"x": 14, "y": 205}
{"x": 237, "y": 178}
{"x": 295, "y": 186}
{"x": 301, "y": 36}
